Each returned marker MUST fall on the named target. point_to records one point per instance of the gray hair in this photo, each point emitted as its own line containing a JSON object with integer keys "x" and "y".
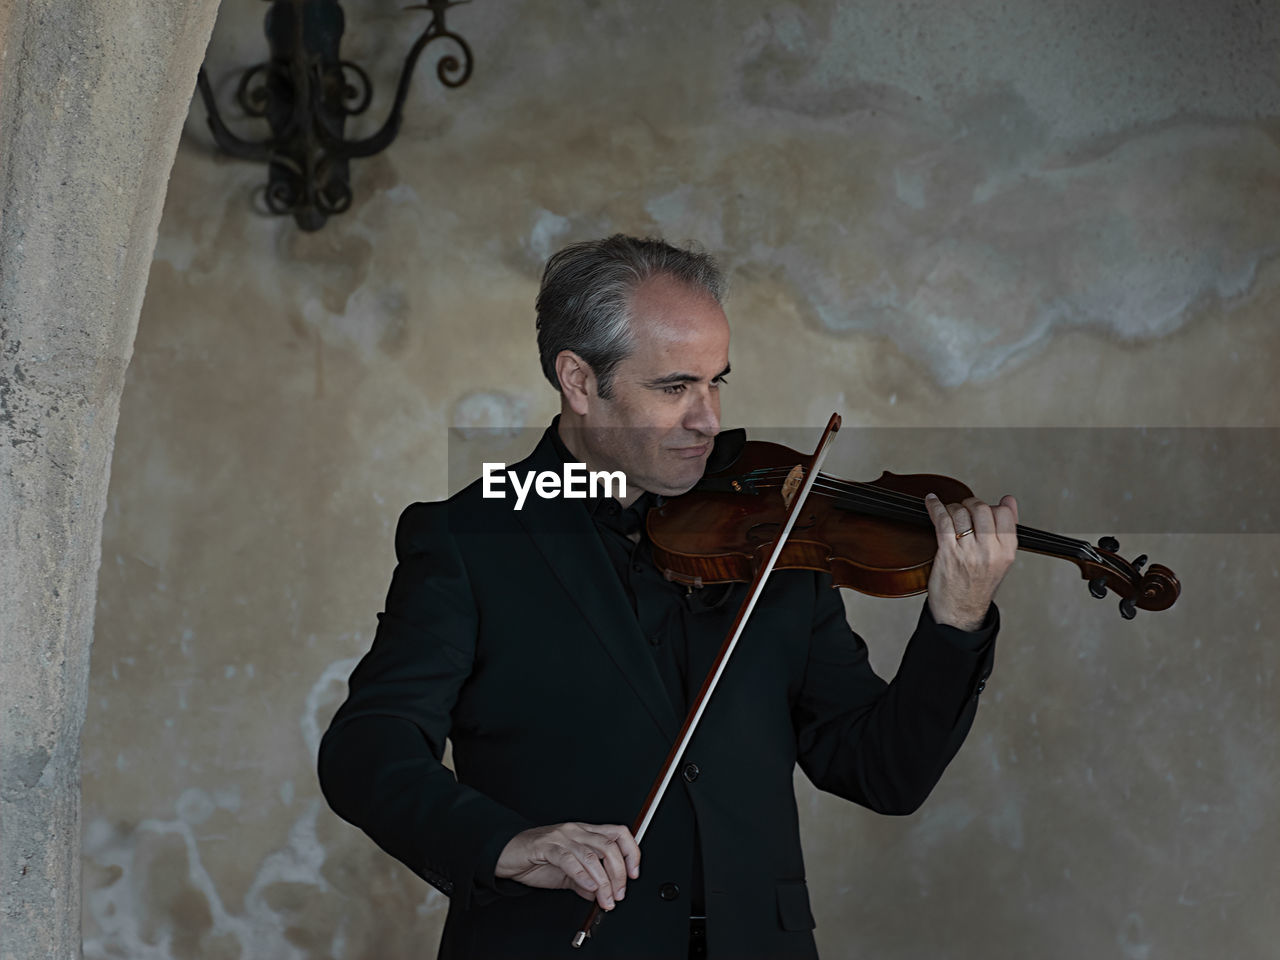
{"x": 584, "y": 304}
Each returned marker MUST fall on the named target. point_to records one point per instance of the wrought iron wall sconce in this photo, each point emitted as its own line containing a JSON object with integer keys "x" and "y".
{"x": 306, "y": 92}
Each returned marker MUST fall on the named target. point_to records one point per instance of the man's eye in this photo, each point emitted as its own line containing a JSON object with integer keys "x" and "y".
{"x": 719, "y": 381}
{"x": 673, "y": 389}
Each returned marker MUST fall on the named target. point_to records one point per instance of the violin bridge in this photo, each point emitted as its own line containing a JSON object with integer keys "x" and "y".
{"x": 791, "y": 485}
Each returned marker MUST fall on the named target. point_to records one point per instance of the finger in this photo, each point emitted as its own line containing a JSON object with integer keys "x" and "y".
{"x": 627, "y": 846}
{"x": 582, "y": 868}
{"x": 942, "y": 522}
{"x": 614, "y": 865}
{"x": 960, "y": 519}
{"x": 1007, "y": 515}
{"x": 980, "y": 516}
{"x": 1004, "y": 516}
{"x": 594, "y": 863}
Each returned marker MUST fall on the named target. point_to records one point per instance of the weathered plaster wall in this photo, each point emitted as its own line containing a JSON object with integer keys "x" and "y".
{"x": 92, "y": 98}
{"x": 980, "y": 214}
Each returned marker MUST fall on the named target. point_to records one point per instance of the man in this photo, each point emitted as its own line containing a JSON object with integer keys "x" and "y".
{"x": 561, "y": 663}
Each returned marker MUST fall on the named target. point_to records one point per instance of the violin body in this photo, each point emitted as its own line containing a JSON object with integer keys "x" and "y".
{"x": 876, "y": 538}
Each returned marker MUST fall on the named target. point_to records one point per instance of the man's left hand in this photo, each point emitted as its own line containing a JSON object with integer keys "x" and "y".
{"x": 976, "y": 547}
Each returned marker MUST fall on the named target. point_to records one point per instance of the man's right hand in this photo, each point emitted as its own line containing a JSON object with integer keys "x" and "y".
{"x": 594, "y": 860}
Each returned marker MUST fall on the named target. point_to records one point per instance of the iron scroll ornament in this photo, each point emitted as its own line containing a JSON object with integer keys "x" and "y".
{"x": 306, "y": 92}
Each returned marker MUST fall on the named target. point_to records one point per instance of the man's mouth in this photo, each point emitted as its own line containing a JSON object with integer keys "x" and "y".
{"x": 690, "y": 453}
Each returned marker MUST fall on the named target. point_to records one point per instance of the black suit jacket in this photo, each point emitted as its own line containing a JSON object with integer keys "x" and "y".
{"x": 510, "y": 633}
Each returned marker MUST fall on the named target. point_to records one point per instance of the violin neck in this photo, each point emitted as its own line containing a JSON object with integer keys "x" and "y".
{"x": 1052, "y": 544}
{"x": 898, "y": 506}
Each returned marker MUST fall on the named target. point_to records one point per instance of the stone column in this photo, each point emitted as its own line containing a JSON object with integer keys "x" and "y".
{"x": 93, "y": 96}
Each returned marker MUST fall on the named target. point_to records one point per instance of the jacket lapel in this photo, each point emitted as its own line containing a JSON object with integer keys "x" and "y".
{"x": 564, "y": 533}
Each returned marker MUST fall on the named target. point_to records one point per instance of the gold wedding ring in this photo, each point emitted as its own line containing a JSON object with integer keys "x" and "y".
{"x": 965, "y": 534}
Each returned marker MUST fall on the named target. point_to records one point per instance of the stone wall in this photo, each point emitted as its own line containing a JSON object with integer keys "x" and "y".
{"x": 933, "y": 215}
{"x": 92, "y": 98}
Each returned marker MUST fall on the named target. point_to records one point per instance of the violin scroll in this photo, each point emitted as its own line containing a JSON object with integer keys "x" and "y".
{"x": 1102, "y": 566}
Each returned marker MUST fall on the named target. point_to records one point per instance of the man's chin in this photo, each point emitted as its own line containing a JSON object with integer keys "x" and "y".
{"x": 675, "y": 486}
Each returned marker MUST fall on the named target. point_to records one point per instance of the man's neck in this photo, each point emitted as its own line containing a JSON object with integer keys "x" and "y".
{"x": 571, "y": 437}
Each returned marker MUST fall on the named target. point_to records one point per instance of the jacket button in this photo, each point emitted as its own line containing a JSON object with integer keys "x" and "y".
{"x": 982, "y": 685}
{"x": 668, "y": 891}
{"x": 690, "y": 772}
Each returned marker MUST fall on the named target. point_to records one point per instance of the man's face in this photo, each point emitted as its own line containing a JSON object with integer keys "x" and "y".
{"x": 664, "y": 409}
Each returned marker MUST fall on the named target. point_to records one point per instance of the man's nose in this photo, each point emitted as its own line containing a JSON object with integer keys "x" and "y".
{"x": 704, "y": 416}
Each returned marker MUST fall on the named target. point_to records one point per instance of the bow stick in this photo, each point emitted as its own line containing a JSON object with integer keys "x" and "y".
{"x": 794, "y": 503}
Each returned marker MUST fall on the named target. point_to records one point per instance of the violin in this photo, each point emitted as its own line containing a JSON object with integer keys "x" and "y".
{"x": 874, "y": 537}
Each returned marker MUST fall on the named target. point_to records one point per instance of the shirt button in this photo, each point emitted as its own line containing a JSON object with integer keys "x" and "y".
{"x": 637, "y": 567}
{"x": 668, "y": 891}
{"x": 690, "y": 772}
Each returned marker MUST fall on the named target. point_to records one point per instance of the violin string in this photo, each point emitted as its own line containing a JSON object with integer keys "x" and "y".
{"x": 897, "y": 505}
{"x": 916, "y": 511}
{"x": 881, "y": 495}
{"x": 1029, "y": 537}
{"x": 865, "y": 493}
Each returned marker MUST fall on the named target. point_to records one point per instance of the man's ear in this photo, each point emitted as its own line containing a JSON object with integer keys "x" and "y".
{"x": 577, "y": 381}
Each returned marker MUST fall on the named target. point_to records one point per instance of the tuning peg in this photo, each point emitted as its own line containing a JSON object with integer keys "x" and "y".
{"x": 1139, "y": 562}
{"x": 1098, "y": 587}
{"x": 1128, "y": 609}
{"x": 1110, "y": 544}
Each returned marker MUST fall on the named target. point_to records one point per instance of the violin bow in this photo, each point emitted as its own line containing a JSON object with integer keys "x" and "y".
{"x": 795, "y": 499}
